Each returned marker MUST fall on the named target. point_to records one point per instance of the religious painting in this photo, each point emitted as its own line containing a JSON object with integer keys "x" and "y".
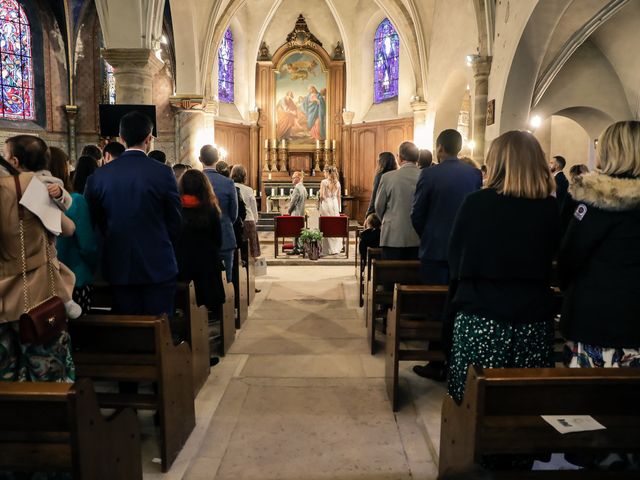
{"x": 301, "y": 99}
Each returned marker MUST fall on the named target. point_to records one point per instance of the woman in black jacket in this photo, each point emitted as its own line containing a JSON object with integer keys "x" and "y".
{"x": 386, "y": 163}
{"x": 502, "y": 245}
{"x": 599, "y": 261}
{"x": 198, "y": 250}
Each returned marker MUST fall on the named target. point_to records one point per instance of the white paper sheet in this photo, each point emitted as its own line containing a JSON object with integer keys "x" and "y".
{"x": 36, "y": 199}
{"x": 573, "y": 423}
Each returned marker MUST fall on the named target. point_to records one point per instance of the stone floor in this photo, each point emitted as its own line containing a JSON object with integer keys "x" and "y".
{"x": 299, "y": 397}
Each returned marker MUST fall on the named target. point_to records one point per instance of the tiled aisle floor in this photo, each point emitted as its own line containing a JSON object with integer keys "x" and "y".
{"x": 299, "y": 397}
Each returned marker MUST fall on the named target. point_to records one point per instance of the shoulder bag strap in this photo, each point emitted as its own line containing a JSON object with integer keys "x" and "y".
{"x": 23, "y": 254}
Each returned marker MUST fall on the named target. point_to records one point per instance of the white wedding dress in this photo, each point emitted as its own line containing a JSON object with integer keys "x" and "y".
{"x": 330, "y": 206}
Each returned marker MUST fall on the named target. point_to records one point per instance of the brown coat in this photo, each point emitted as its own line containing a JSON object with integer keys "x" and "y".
{"x": 35, "y": 238}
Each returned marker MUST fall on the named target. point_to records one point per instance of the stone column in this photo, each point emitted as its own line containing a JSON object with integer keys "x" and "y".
{"x": 71, "y": 112}
{"x": 189, "y": 128}
{"x": 133, "y": 69}
{"x": 419, "y": 107}
{"x": 481, "y": 69}
{"x": 254, "y": 172}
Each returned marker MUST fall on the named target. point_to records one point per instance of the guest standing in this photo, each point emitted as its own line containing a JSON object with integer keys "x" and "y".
{"x": 425, "y": 159}
{"x": 298, "y": 196}
{"x": 502, "y": 245}
{"x": 198, "y": 250}
{"x": 599, "y": 261}
{"x": 111, "y": 151}
{"x": 227, "y": 197}
{"x": 134, "y": 201}
{"x": 80, "y": 251}
{"x": 239, "y": 176}
{"x": 393, "y": 206}
{"x": 386, "y": 163}
{"x": 556, "y": 165}
{"x": 330, "y": 207}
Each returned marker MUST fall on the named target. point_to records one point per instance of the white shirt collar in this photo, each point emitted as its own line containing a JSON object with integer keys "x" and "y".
{"x": 136, "y": 150}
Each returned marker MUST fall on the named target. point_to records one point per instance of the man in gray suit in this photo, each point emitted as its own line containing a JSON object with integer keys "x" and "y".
{"x": 299, "y": 195}
{"x": 398, "y": 239}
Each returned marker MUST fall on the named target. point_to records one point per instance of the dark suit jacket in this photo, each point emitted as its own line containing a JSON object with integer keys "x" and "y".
{"x": 439, "y": 194}
{"x": 225, "y": 190}
{"x": 135, "y": 202}
{"x": 562, "y": 187}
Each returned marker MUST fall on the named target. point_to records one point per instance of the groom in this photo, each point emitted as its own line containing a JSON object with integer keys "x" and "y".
{"x": 298, "y": 199}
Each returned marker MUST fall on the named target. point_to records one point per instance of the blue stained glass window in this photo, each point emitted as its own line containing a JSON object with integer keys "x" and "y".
{"x": 225, "y": 68}
{"x": 386, "y": 62}
{"x": 110, "y": 84}
{"x": 16, "y": 63}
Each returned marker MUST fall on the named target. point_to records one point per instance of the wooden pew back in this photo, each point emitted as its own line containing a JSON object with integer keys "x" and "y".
{"x": 139, "y": 349}
{"x": 58, "y": 427}
{"x": 365, "y": 274}
{"x": 416, "y": 314}
{"x": 501, "y": 409}
{"x": 384, "y": 274}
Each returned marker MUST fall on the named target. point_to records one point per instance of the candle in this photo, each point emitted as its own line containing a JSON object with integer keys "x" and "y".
{"x": 273, "y": 192}
{"x": 282, "y": 192}
{"x": 284, "y": 143}
{"x": 269, "y": 177}
{"x": 317, "y": 144}
{"x": 334, "y": 144}
{"x": 266, "y": 143}
{"x": 274, "y": 143}
{"x": 255, "y": 192}
{"x": 311, "y": 192}
{"x": 346, "y": 192}
{"x": 326, "y": 143}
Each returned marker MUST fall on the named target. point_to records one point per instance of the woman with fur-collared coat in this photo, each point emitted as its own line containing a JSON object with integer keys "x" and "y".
{"x": 599, "y": 261}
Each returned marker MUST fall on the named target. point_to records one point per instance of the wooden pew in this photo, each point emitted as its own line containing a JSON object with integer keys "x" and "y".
{"x": 501, "y": 414}
{"x": 138, "y": 349}
{"x": 251, "y": 279}
{"x": 416, "y": 315}
{"x": 384, "y": 274}
{"x": 240, "y": 289}
{"x": 52, "y": 427}
{"x": 194, "y": 329}
{"x": 227, "y": 316}
{"x": 365, "y": 274}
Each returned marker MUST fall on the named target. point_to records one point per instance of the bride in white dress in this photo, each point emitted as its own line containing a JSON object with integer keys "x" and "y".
{"x": 330, "y": 206}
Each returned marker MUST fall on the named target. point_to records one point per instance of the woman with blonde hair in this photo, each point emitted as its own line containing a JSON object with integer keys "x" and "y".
{"x": 502, "y": 244}
{"x": 330, "y": 206}
{"x": 599, "y": 260}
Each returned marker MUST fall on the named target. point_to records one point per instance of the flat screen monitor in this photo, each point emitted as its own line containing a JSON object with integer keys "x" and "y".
{"x": 110, "y": 116}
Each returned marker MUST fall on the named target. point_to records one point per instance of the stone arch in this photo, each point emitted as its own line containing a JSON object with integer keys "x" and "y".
{"x": 449, "y": 101}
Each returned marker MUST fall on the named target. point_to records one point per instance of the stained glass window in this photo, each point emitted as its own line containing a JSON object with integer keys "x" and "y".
{"x": 16, "y": 82}
{"x": 386, "y": 62}
{"x": 225, "y": 68}
{"x": 109, "y": 84}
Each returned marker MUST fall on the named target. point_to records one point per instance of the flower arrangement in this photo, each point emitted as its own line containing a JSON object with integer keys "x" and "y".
{"x": 311, "y": 240}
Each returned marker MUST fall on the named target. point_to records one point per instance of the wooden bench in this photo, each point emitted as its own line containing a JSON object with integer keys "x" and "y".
{"x": 240, "y": 289}
{"x": 416, "y": 316}
{"x": 194, "y": 329}
{"x": 384, "y": 274}
{"x": 365, "y": 273}
{"x": 251, "y": 279}
{"x": 227, "y": 316}
{"x": 120, "y": 348}
{"x": 501, "y": 414}
{"x": 53, "y": 427}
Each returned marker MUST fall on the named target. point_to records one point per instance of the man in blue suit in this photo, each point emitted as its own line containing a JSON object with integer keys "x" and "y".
{"x": 134, "y": 200}
{"x": 225, "y": 190}
{"x": 440, "y": 192}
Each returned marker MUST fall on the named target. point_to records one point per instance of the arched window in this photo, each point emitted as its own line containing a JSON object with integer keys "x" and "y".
{"x": 16, "y": 63}
{"x": 385, "y": 62}
{"x": 225, "y": 68}
{"x": 109, "y": 94}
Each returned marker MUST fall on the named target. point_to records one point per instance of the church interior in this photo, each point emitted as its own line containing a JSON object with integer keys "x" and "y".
{"x": 315, "y": 378}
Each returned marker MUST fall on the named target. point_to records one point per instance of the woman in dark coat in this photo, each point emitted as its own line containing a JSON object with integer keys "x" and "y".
{"x": 599, "y": 261}
{"x": 198, "y": 250}
{"x": 386, "y": 163}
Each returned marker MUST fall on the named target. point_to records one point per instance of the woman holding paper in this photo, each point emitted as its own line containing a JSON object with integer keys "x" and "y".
{"x": 25, "y": 362}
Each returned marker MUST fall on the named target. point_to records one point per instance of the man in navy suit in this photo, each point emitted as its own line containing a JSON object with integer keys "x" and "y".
{"x": 134, "y": 200}
{"x": 225, "y": 190}
{"x": 440, "y": 191}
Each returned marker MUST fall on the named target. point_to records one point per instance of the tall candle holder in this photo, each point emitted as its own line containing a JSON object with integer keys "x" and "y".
{"x": 327, "y": 158}
{"x": 265, "y": 167}
{"x": 282, "y": 158}
{"x": 273, "y": 155}
{"x": 316, "y": 163}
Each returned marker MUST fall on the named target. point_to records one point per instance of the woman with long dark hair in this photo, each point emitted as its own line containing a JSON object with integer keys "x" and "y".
{"x": 198, "y": 250}
{"x": 386, "y": 163}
